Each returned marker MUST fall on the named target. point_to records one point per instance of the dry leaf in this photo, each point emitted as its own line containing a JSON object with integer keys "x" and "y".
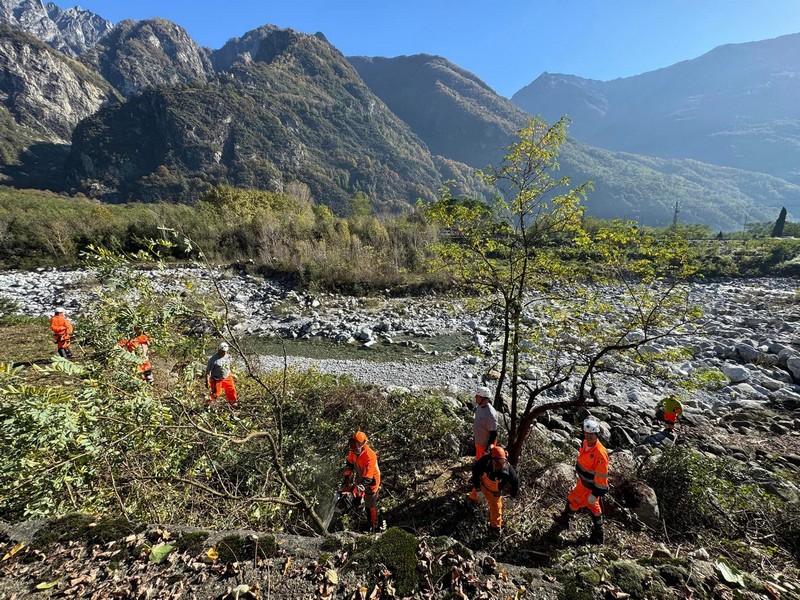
{"x": 14, "y": 550}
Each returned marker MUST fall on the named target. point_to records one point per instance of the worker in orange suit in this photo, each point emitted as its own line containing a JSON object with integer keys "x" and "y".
{"x": 219, "y": 376}
{"x": 362, "y": 476}
{"x": 493, "y": 475}
{"x": 592, "y": 485}
{"x": 62, "y": 332}
{"x": 140, "y": 343}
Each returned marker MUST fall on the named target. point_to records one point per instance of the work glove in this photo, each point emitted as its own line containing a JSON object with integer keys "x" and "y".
{"x": 360, "y": 489}
{"x": 592, "y": 499}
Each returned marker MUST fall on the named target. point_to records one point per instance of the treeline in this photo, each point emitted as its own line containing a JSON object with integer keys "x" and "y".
{"x": 289, "y": 234}
{"x": 284, "y": 233}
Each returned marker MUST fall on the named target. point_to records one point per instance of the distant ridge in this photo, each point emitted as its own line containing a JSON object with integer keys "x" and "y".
{"x": 735, "y": 106}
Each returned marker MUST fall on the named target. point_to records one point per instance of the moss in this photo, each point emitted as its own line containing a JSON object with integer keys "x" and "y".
{"x": 66, "y": 529}
{"x": 364, "y": 544}
{"x": 235, "y": 548}
{"x": 109, "y": 530}
{"x": 629, "y": 577}
{"x": 331, "y": 544}
{"x": 74, "y": 527}
{"x": 192, "y": 542}
{"x": 573, "y": 589}
{"x": 397, "y": 550}
{"x": 591, "y": 577}
{"x": 752, "y": 583}
{"x": 672, "y": 574}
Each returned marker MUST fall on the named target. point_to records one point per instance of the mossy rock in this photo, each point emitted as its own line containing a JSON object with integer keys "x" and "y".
{"x": 331, "y": 544}
{"x": 75, "y": 527}
{"x": 109, "y": 530}
{"x": 235, "y": 548}
{"x": 66, "y": 529}
{"x": 397, "y": 549}
{"x": 192, "y": 542}
{"x": 658, "y": 561}
{"x": 629, "y": 577}
{"x": 673, "y": 575}
{"x": 573, "y": 589}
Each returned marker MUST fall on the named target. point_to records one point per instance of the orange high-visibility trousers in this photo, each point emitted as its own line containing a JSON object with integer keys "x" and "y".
{"x": 491, "y": 492}
{"x": 217, "y": 385}
{"x": 579, "y": 498}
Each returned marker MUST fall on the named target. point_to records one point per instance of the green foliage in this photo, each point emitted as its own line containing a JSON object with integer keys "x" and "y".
{"x": 93, "y": 437}
{"x": 698, "y": 494}
{"x": 282, "y": 233}
{"x": 397, "y": 550}
{"x": 529, "y": 255}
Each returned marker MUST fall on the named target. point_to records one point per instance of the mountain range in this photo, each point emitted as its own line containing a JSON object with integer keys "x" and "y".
{"x": 735, "y": 106}
{"x": 145, "y": 113}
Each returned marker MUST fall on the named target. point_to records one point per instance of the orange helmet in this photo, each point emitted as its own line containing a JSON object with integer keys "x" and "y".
{"x": 359, "y": 438}
{"x": 498, "y": 452}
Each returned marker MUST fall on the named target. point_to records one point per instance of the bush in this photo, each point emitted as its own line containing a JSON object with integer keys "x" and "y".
{"x": 697, "y": 493}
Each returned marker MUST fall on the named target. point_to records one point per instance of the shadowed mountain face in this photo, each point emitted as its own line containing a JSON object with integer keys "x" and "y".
{"x": 43, "y": 96}
{"x": 71, "y": 31}
{"x": 138, "y": 55}
{"x": 734, "y": 106}
{"x": 290, "y": 107}
{"x": 456, "y": 113}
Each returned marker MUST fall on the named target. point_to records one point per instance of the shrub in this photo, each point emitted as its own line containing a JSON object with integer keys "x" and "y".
{"x": 697, "y": 493}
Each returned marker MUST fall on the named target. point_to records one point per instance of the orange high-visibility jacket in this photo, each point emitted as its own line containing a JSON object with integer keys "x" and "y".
{"x": 132, "y": 344}
{"x": 60, "y": 325}
{"x": 365, "y": 466}
{"x": 592, "y": 468}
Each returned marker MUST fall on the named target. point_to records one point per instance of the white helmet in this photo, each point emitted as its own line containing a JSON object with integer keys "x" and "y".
{"x": 60, "y": 309}
{"x": 483, "y": 392}
{"x": 223, "y": 346}
{"x": 591, "y": 426}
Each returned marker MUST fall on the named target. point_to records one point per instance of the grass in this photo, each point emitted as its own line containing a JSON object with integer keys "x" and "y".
{"x": 26, "y": 340}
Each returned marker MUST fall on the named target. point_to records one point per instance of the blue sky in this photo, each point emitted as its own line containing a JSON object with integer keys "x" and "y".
{"x": 506, "y": 43}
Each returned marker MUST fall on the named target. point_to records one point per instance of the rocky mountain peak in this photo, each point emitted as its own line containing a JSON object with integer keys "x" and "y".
{"x": 138, "y": 55}
{"x": 262, "y": 44}
{"x": 71, "y": 31}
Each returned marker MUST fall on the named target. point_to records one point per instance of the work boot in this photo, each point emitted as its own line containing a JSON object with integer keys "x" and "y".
{"x": 597, "y": 536}
{"x": 563, "y": 519}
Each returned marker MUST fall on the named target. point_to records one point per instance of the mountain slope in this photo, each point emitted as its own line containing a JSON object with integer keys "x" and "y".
{"x": 137, "y": 55}
{"x": 460, "y": 117}
{"x": 456, "y": 113}
{"x": 71, "y": 31}
{"x": 293, "y": 110}
{"x": 43, "y": 95}
{"x": 734, "y": 106}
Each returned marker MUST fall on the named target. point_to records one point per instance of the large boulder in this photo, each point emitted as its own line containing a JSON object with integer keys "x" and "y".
{"x": 736, "y": 373}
